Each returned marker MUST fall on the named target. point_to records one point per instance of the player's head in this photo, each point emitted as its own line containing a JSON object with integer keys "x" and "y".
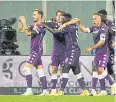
{"x": 59, "y": 16}
{"x": 66, "y": 17}
{"x": 103, "y": 12}
{"x": 97, "y": 19}
{"x": 37, "y": 14}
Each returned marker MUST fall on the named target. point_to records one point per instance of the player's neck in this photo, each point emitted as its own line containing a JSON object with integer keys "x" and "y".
{"x": 99, "y": 24}
{"x": 39, "y": 21}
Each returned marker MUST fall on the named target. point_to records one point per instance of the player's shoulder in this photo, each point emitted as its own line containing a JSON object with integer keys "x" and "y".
{"x": 103, "y": 28}
{"x": 109, "y": 22}
{"x": 92, "y": 27}
{"x": 31, "y": 25}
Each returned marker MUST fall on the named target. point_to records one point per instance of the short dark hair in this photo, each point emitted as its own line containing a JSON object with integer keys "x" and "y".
{"x": 67, "y": 15}
{"x": 102, "y": 11}
{"x": 62, "y": 12}
{"x": 39, "y": 11}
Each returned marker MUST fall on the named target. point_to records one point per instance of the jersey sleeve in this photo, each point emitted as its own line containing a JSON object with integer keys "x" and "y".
{"x": 50, "y": 24}
{"x": 90, "y": 29}
{"x": 103, "y": 33}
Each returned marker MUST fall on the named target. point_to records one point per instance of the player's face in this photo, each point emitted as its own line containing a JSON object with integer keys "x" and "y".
{"x": 59, "y": 17}
{"x": 96, "y": 20}
{"x": 36, "y": 16}
{"x": 104, "y": 16}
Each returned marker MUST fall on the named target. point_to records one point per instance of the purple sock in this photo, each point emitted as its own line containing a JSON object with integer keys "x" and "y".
{"x": 102, "y": 83}
{"x": 94, "y": 82}
{"x": 82, "y": 83}
{"x": 109, "y": 79}
{"x": 63, "y": 83}
{"x": 43, "y": 82}
{"x": 29, "y": 80}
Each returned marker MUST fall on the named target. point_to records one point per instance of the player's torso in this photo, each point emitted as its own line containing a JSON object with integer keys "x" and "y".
{"x": 59, "y": 45}
{"x": 37, "y": 39}
{"x": 71, "y": 39}
{"x": 111, "y": 25}
{"x": 96, "y": 37}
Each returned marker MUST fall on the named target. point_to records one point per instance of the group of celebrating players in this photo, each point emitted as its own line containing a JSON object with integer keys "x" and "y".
{"x": 66, "y": 51}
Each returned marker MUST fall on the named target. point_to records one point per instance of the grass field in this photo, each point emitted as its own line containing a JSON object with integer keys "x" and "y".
{"x": 57, "y": 99}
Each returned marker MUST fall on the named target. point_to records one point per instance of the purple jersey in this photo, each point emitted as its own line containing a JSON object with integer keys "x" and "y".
{"x": 100, "y": 33}
{"x": 36, "y": 50}
{"x": 72, "y": 48}
{"x": 37, "y": 38}
{"x": 58, "y": 45}
{"x": 111, "y": 25}
{"x": 70, "y": 34}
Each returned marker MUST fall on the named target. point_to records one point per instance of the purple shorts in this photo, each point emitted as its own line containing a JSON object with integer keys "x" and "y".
{"x": 72, "y": 57}
{"x": 101, "y": 60}
{"x": 57, "y": 59}
{"x": 35, "y": 58}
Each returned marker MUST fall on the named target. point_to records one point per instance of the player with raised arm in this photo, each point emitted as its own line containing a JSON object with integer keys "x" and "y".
{"x": 71, "y": 57}
{"x": 58, "y": 52}
{"x": 111, "y": 39}
{"x": 95, "y": 75}
{"x": 37, "y": 32}
{"x": 100, "y": 37}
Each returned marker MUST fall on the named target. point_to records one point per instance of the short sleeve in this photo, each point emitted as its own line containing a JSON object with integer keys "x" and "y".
{"x": 103, "y": 33}
{"x": 90, "y": 29}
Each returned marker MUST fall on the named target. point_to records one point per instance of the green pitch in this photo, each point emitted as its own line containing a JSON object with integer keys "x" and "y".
{"x": 57, "y": 99}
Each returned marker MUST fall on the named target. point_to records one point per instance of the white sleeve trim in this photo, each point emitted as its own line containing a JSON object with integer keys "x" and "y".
{"x": 88, "y": 30}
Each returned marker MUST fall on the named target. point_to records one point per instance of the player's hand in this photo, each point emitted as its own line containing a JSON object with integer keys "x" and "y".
{"x": 79, "y": 21}
{"x": 62, "y": 26}
{"x": 22, "y": 19}
{"x": 88, "y": 49}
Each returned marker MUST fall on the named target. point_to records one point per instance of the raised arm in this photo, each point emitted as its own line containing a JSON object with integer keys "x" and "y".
{"x": 82, "y": 28}
{"x": 20, "y": 27}
{"x": 73, "y": 21}
{"x": 25, "y": 28}
{"x": 53, "y": 31}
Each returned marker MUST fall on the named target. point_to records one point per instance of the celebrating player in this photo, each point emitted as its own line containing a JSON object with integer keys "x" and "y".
{"x": 100, "y": 37}
{"x": 95, "y": 75}
{"x": 37, "y": 32}
{"x": 58, "y": 52}
{"x": 111, "y": 39}
{"x": 71, "y": 57}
